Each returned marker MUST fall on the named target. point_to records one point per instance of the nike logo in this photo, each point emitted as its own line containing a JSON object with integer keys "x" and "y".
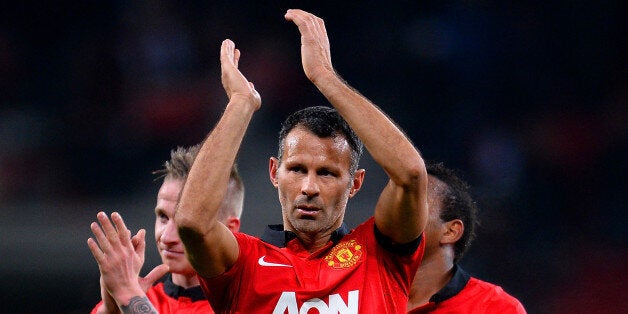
{"x": 262, "y": 262}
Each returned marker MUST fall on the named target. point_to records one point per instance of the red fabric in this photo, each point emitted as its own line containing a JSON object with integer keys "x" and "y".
{"x": 477, "y": 297}
{"x": 355, "y": 272}
{"x": 166, "y": 304}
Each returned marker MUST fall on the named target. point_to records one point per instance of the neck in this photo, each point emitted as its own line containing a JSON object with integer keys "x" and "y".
{"x": 187, "y": 280}
{"x": 313, "y": 242}
{"x": 435, "y": 272}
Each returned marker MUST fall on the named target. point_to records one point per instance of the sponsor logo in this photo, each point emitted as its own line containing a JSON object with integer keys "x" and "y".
{"x": 288, "y": 302}
{"x": 262, "y": 262}
{"x": 344, "y": 255}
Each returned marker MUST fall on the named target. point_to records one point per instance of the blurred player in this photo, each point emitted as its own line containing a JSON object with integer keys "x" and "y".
{"x": 440, "y": 285}
{"x": 179, "y": 291}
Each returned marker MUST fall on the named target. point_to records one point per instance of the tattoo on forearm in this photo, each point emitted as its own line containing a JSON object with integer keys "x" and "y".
{"x": 138, "y": 305}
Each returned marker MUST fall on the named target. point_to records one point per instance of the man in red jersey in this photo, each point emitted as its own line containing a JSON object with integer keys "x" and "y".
{"x": 311, "y": 261}
{"x": 179, "y": 291}
{"x": 440, "y": 285}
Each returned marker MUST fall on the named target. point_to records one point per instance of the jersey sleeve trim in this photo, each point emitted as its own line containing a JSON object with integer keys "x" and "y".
{"x": 403, "y": 249}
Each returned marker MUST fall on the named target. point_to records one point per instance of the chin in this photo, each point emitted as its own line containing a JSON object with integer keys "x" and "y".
{"x": 308, "y": 226}
{"x": 175, "y": 263}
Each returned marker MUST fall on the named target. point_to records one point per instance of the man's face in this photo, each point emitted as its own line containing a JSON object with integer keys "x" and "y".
{"x": 168, "y": 242}
{"x": 313, "y": 181}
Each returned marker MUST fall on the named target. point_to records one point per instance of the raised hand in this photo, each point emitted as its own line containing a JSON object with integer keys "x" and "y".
{"x": 120, "y": 258}
{"x": 233, "y": 81}
{"x": 315, "y": 51}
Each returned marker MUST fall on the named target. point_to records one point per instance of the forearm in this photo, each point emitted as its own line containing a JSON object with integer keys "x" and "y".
{"x": 138, "y": 304}
{"x": 109, "y": 305}
{"x": 401, "y": 211}
{"x": 209, "y": 245}
{"x": 207, "y": 181}
{"x": 386, "y": 142}
{"x": 108, "y": 309}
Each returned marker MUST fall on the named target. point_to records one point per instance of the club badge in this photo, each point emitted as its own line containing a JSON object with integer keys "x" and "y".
{"x": 344, "y": 255}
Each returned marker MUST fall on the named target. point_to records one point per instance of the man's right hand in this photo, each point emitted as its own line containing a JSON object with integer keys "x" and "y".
{"x": 120, "y": 258}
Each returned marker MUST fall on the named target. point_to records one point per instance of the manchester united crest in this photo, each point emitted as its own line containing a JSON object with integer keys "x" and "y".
{"x": 344, "y": 254}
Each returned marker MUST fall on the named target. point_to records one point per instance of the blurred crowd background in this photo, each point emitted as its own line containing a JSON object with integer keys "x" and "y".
{"x": 527, "y": 99}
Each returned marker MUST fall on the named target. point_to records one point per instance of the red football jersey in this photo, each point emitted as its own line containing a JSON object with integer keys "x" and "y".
{"x": 167, "y": 297}
{"x": 465, "y": 294}
{"x": 354, "y": 273}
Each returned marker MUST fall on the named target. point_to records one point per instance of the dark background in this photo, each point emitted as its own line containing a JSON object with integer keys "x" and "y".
{"x": 527, "y": 100}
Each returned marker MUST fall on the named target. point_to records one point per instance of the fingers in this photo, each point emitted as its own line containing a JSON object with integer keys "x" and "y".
{"x": 224, "y": 51}
{"x": 108, "y": 235}
{"x": 154, "y": 275}
{"x": 107, "y": 227}
{"x": 296, "y": 15}
{"x": 101, "y": 238}
{"x": 315, "y": 49}
{"x": 227, "y": 52}
{"x": 233, "y": 81}
{"x": 139, "y": 243}
{"x": 124, "y": 234}
{"x": 307, "y": 23}
{"x": 236, "y": 57}
{"x": 139, "y": 240}
{"x": 96, "y": 252}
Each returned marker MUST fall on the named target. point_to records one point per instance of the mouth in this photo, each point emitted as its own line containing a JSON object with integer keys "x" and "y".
{"x": 308, "y": 212}
{"x": 172, "y": 253}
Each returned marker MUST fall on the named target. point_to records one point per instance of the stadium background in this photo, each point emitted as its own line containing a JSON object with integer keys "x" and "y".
{"x": 527, "y": 99}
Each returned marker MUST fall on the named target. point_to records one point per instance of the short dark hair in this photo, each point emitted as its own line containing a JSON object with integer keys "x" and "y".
{"x": 324, "y": 122}
{"x": 457, "y": 203}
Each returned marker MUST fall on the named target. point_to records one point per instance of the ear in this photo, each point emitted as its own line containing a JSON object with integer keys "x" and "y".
{"x": 233, "y": 224}
{"x": 453, "y": 231}
{"x": 273, "y": 165}
{"x": 358, "y": 178}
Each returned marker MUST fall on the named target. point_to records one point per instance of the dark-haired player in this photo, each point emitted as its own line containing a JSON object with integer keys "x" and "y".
{"x": 441, "y": 286}
{"x": 311, "y": 261}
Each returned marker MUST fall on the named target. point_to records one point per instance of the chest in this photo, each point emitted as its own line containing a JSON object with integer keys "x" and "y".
{"x": 343, "y": 265}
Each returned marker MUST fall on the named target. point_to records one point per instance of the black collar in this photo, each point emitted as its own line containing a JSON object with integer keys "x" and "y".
{"x": 176, "y": 291}
{"x": 275, "y": 235}
{"x": 454, "y": 286}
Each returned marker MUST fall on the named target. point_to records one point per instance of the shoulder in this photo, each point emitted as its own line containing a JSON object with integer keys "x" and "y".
{"x": 365, "y": 226}
{"x": 240, "y": 236}
{"x": 246, "y": 240}
{"x": 494, "y": 297}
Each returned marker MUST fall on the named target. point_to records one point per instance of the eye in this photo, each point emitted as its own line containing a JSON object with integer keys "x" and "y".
{"x": 326, "y": 172}
{"x": 297, "y": 169}
{"x": 162, "y": 217}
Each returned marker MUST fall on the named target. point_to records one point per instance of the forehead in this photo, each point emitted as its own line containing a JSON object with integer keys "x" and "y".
{"x": 302, "y": 143}
{"x": 168, "y": 194}
{"x": 171, "y": 186}
{"x": 435, "y": 190}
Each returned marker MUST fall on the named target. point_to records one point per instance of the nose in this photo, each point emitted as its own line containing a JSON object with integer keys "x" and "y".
{"x": 310, "y": 186}
{"x": 170, "y": 234}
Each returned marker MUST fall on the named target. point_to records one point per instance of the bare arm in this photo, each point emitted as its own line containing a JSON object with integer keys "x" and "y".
{"x": 210, "y": 246}
{"x": 109, "y": 305}
{"x": 401, "y": 211}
